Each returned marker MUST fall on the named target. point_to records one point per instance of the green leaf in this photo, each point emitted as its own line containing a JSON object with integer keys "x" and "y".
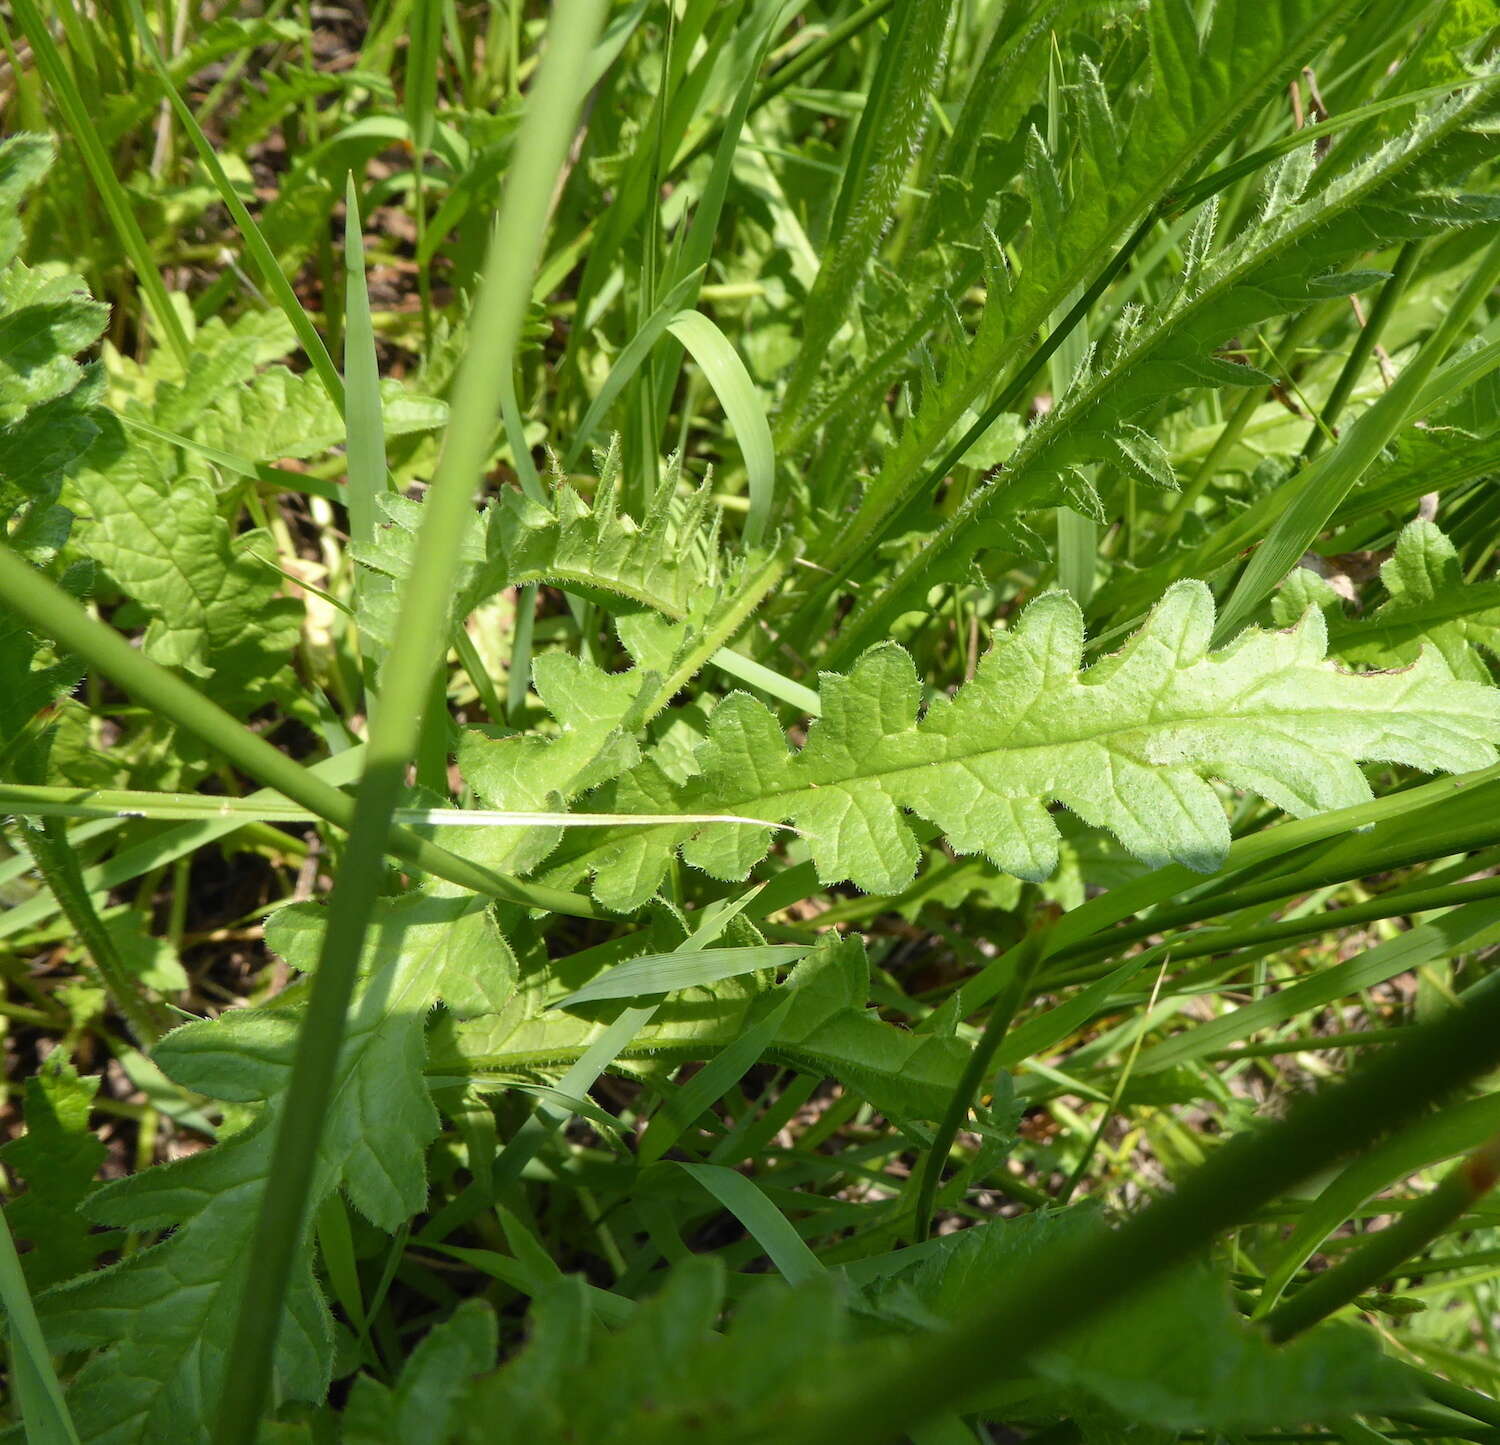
{"x": 58, "y": 1157}
{"x": 417, "y": 1411}
{"x": 156, "y": 1381}
{"x": 664, "y": 1374}
{"x": 49, "y": 417}
{"x": 231, "y": 400}
{"x": 669, "y": 564}
{"x": 892, "y": 119}
{"x": 214, "y": 604}
{"x": 1429, "y": 604}
{"x": 1201, "y": 85}
{"x": 1130, "y": 744}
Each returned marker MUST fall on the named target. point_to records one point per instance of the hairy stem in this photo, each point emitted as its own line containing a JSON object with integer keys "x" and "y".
{"x": 58, "y": 864}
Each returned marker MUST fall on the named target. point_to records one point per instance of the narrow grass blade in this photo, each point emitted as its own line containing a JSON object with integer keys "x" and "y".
{"x": 1315, "y": 495}
{"x": 613, "y": 1309}
{"x": 768, "y": 1226}
{"x": 711, "y": 1082}
{"x": 1474, "y": 926}
{"x": 85, "y": 134}
{"x": 43, "y": 1411}
{"x": 768, "y": 680}
{"x": 1043, "y": 1031}
{"x": 281, "y": 478}
{"x": 58, "y": 865}
{"x": 1453, "y": 1131}
{"x": 1461, "y": 1188}
{"x": 726, "y": 374}
{"x": 668, "y": 972}
{"x": 363, "y": 419}
{"x": 628, "y": 362}
{"x": 260, "y": 252}
{"x": 140, "y": 858}
{"x": 1359, "y": 354}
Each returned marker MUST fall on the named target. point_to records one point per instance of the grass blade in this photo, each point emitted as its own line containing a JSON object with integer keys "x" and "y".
{"x": 1327, "y": 481}
{"x": 668, "y": 972}
{"x": 726, "y": 374}
{"x": 43, "y": 1411}
{"x": 629, "y": 361}
{"x": 768, "y": 1226}
{"x": 363, "y": 420}
{"x": 260, "y": 252}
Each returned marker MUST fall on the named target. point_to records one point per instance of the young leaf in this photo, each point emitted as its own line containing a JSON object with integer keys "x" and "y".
{"x": 1429, "y": 604}
{"x": 433, "y": 1381}
{"x": 58, "y": 1157}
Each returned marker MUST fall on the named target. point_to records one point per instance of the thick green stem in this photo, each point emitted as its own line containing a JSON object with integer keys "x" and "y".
{"x": 293, "y": 1187}
{"x": 1057, "y": 1292}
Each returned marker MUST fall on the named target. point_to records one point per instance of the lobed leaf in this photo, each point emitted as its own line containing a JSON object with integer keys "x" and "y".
{"x": 1130, "y": 744}
{"x": 158, "y": 1381}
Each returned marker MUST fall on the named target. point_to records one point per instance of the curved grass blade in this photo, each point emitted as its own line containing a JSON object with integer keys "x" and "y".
{"x": 720, "y": 363}
{"x": 768, "y": 1226}
{"x": 629, "y": 361}
{"x": 668, "y": 972}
